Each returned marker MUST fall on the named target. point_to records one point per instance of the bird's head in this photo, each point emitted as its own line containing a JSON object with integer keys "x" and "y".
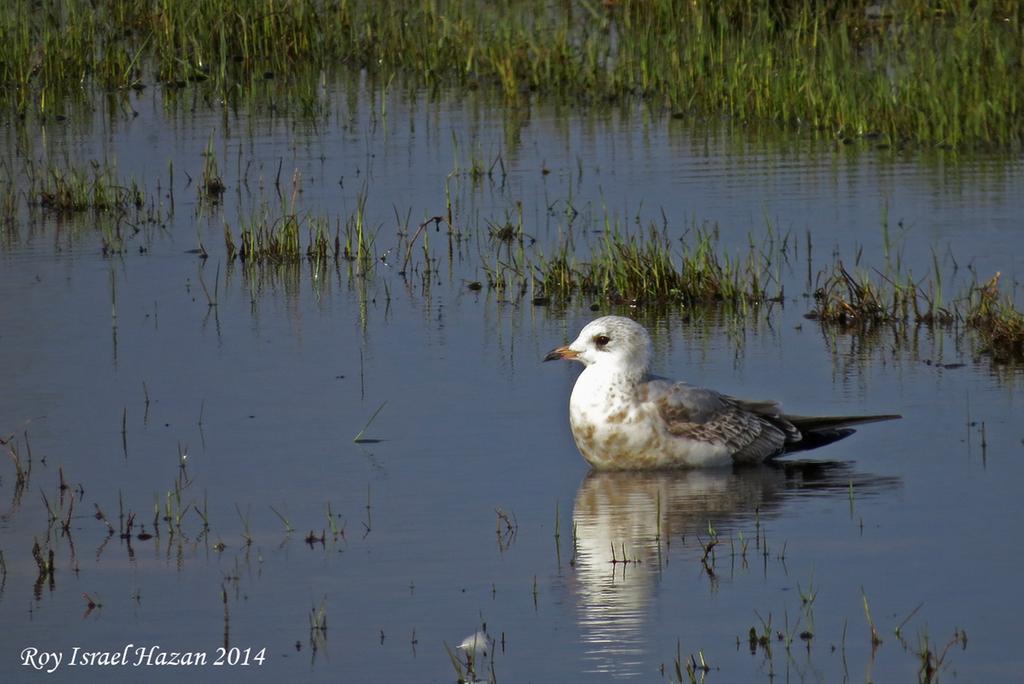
{"x": 611, "y": 342}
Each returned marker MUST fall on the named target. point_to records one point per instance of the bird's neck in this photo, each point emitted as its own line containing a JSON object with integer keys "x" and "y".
{"x": 603, "y": 378}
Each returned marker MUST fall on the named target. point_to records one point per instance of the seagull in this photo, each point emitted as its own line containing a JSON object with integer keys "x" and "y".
{"x": 624, "y": 418}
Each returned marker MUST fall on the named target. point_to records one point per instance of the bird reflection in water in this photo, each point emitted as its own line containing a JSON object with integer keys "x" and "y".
{"x": 624, "y": 523}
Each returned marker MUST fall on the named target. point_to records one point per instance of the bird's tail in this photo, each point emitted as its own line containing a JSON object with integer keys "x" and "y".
{"x": 819, "y": 423}
{"x": 818, "y": 431}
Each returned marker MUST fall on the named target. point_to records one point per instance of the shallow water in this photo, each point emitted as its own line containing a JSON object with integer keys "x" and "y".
{"x": 466, "y": 506}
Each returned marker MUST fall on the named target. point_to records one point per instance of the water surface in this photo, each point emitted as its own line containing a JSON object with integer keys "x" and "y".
{"x": 466, "y": 506}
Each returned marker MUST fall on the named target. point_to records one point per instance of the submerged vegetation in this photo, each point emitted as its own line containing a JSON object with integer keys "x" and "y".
{"x": 268, "y": 239}
{"x": 121, "y": 209}
{"x": 944, "y": 73}
{"x": 641, "y": 267}
{"x": 941, "y": 73}
{"x": 859, "y": 303}
{"x": 67, "y": 191}
{"x": 1000, "y": 323}
{"x": 598, "y": 260}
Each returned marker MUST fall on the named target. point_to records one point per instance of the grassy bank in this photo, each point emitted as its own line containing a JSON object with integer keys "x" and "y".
{"x": 943, "y": 72}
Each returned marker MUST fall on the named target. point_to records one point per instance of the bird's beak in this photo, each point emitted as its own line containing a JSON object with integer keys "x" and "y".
{"x": 561, "y": 353}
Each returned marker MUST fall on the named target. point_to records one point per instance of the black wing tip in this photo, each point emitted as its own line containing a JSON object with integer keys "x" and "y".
{"x": 817, "y": 439}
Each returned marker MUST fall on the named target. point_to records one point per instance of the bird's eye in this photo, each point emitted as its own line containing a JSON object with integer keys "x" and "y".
{"x": 601, "y": 341}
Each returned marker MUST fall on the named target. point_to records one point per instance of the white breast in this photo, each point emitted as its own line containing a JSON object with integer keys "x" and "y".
{"x": 614, "y": 430}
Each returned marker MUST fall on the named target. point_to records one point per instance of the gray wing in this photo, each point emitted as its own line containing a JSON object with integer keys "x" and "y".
{"x": 752, "y": 430}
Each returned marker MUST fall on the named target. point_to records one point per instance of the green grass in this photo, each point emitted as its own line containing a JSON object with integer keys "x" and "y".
{"x": 86, "y": 198}
{"x": 944, "y": 72}
{"x": 291, "y": 236}
{"x": 267, "y": 238}
{"x": 68, "y": 190}
{"x": 621, "y": 262}
{"x": 646, "y": 267}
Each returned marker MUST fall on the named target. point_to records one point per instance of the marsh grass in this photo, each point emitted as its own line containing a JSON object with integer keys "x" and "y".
{"x": 337, "y": 531}
{"x": 290, "y": 237}
{"x": 932, "y": 660}
{"x": 457, "y": 665}
{"x": 360, "y": 437}
{"x": 22, "y": 466}
{"x": 318, "y": 625}
{"x": 646, "y": 266}
{"x": 246, "y": 529}
{"x": 999, "y": 323}
{"x": 9, "y": 207}
{"x": 652, "y": 264}
{"x": 610, "y": 260}
{"x": 80, "y": 198}
{"x": 44, "y": 558}
{"x": 876, "y": 640}
{"x": 940, "y": 73}
{"x": 284, "y": 520}
{"x": 211, "y": 185}
{"x": 860, "y": 302}
{"x": 847, "y": 299}
{"x": 67, "y": 190}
